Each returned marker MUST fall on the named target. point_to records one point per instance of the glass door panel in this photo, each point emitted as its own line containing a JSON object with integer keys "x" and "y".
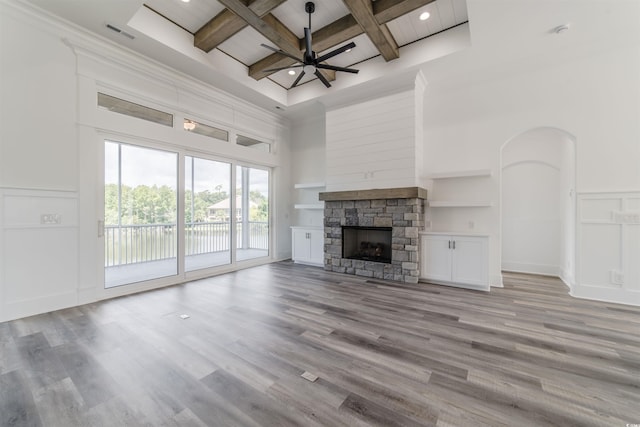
{"x": 140, "y": 214}
{"x": 252, "y": 213}
{"x": 207, "y": 216}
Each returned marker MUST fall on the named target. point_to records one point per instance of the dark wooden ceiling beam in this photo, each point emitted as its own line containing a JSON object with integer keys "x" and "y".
{"x": 362, "y": 11}
{"x": 340, "y": 31}
{"x": 271, "y": 30}
{"x": 226, "y": 24}
{"x": 388, "y": 10}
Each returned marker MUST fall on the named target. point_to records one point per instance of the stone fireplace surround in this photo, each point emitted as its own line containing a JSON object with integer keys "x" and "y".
{"x": 402, "y": 209}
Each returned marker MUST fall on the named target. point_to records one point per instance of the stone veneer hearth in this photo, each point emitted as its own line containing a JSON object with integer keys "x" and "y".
{"x": 402, "y": 209}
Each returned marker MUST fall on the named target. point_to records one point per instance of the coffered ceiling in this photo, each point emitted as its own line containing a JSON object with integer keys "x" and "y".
{"x": 225, "y": 37}
{"x": 377, "y": 28}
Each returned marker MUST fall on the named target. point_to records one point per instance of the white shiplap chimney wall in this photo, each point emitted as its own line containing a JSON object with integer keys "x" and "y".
{"x": 376, "y": 143}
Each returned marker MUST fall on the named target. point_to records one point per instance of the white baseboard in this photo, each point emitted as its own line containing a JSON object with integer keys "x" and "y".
{"x": 521, "y": 267}
{"x": 31, "y": 307}
{"x": 618, "y": 296}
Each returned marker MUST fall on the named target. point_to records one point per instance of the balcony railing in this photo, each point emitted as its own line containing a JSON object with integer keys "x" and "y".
{"x": 130, "y": 244}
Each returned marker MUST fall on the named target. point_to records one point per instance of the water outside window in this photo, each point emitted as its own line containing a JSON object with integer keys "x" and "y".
{"x": 207, "y": 216}
{"x": 252, "y": 213}
{"x": 140, "y": 214}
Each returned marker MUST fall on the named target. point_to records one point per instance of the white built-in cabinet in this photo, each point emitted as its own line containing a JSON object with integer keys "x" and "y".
{"x": 307, "y": 245}
{"x": 455, "y": 259}
{"x": 307, "y": 241}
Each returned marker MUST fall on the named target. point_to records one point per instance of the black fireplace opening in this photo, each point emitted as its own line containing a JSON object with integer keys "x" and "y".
{"x": 367, "y": 243}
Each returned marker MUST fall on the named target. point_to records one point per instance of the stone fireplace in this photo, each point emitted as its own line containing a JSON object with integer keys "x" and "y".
{"x": 372, "y": 212}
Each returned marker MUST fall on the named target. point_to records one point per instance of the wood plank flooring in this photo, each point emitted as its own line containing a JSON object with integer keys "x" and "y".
{"x": 384, "y": 353}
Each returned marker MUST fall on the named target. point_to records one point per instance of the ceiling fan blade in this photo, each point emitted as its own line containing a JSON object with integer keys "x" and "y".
{"x": 333, "y": 67}
{"x": 338, "y": 51}
{"x": 308, "y": 55}
{"x": 273, "y": 70}
{"x": 295, "y": 83}
{"x": 280, "y": 51}
{"x": 322, "y": 78}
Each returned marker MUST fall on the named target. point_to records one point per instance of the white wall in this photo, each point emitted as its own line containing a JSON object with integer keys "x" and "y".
{"x": 308, "y": 165}
{"x": 593, "y": 97}
{"x": 52, "y": 163}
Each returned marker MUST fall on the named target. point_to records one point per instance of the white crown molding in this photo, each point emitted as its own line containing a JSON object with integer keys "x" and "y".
{"x": 99, "y": 48}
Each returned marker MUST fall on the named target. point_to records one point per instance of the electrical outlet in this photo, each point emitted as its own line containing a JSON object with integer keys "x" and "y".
{"x": 472, "y": 225}
{"x": 50, "y": 219}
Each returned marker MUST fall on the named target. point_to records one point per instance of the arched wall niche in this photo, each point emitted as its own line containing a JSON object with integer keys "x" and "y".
{"x": 538, "y": 207}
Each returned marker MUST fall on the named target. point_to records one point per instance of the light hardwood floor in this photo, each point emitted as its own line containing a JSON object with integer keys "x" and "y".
{"x": 385, "y": 354}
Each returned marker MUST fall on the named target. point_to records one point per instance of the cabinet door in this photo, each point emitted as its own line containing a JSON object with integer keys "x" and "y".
{"x": 300, "y": 250}
{"x": 436, "y": 258}
{"x": 469, "y": 261}
{"x": 316, "y": 247}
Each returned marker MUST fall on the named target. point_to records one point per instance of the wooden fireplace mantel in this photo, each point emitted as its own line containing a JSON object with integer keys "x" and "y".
{"x": 375, "y": 194}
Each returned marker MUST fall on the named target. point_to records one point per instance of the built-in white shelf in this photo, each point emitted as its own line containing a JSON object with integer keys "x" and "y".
{"x": 309, "y": 185}
{"x": 459, "y": 204}
{"x": 461, "y": 174}
{"x": 309, "y": 206}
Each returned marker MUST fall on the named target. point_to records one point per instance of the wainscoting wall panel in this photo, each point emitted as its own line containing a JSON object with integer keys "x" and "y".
{"x": 39, "y": 251}
{"x": 609, "y": 246}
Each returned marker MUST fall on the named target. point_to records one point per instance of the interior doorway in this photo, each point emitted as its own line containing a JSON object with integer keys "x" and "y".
{"x": 538, "y": 203}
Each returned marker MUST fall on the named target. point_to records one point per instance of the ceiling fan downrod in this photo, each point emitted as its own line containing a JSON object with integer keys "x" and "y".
{"x": 310, "y": 7}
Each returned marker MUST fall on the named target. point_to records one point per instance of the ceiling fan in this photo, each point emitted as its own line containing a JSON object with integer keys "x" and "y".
{"x": 310, "y": 63}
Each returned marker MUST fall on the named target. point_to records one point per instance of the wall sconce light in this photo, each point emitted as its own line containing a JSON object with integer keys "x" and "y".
{"x": 189, "y": 125}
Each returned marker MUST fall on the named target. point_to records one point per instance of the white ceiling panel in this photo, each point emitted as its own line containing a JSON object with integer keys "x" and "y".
{"x": 245, "y": 46}
{"x": 292, "y": 14}
{"x": 192, "y": 15}
{"x": 460, "y": 10}
{"x": 446, "y": 14}
{"x": 284, "y": 79}
{"x": 443, "y": 14}
{"x": 364, "y": 50}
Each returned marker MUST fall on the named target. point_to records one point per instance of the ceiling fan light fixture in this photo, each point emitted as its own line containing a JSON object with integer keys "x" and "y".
{"x": 424, "y": 16}
{"x": 309, "y": 69}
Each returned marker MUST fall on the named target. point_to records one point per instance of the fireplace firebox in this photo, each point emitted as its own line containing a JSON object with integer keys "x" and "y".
{"x": 367, "y": 243}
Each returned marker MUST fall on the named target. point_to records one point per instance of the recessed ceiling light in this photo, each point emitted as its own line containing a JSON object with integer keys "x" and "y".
{"x": 423, "y": 16}
{"x": 186, "y": 1}
{"x": 292, "y": 72}
{"x": 348, "y": 50}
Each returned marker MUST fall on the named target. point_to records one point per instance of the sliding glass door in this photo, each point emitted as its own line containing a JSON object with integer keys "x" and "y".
{"x": 252, "y": 213}
{"x": 140, "y": 214}
{"x": 207, "y": 213}
{"x": 216, "y": 216}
